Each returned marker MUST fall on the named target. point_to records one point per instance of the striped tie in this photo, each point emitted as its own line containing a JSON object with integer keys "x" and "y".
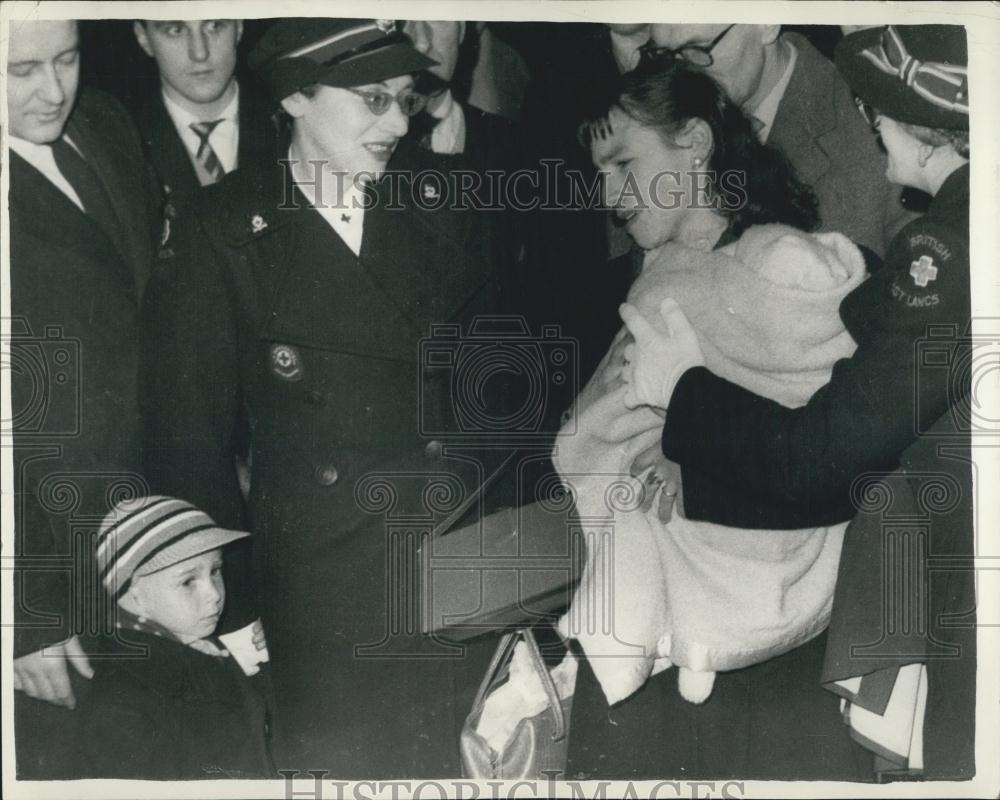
{"x": 206, "y": 157}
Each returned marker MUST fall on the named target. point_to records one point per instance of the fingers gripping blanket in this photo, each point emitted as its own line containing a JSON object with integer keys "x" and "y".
{"x": 700, "y": 596}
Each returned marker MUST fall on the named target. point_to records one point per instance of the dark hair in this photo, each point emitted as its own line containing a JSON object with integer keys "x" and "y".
{"x": 665, "y": 94}
{"x": 939, "y": 137}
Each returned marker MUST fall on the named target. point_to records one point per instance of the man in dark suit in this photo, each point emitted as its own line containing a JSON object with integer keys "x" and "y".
{"x": 83, "y": 224}
{"x": 203, "y": 123}
{"x": 807, "y": 111}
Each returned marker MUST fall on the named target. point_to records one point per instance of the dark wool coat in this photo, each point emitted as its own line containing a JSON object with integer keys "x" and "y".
{"x": 260, "y": 309}
{"x": 160, "y": 710}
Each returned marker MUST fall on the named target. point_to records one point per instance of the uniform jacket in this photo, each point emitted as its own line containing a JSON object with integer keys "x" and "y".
{"x": 260, "y": 308}
{"x": 166, "y": 151}
{"x": 749, "y": 462}
{"x": 161, "y": 710}
{"x": 74, "y": 297}
{"x": 916, "y": 521}
{"x": 833, "y": 151}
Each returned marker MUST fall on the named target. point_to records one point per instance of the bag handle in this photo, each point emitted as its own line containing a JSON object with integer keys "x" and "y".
{"x": 500, "y": 664}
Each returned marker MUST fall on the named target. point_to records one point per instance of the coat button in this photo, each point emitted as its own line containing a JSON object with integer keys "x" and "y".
{"x": 434, "y": 449}
{"x": 326, "y": 476}
{"x": 315, "y": 398}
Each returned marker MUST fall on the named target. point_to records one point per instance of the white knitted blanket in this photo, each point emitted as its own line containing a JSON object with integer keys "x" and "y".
{"x": 701, "y": 596}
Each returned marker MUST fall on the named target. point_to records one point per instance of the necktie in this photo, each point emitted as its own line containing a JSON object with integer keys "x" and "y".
{"x": 86, "y": 185}
{"x": 206, "y": 157}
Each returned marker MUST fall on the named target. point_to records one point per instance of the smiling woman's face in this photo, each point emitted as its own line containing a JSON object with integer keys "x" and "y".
{"x": 336, "y": 126}
{"x": 902, "y": 166}
{"x": 647, "y": 182}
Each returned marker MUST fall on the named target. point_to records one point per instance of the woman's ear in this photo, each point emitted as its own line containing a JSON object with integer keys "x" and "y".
{"x": 696, "y": 136}
{"x": 924, "y": 153}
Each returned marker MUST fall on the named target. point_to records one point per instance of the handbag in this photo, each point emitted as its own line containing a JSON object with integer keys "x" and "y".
{"x": 537, "y": 748}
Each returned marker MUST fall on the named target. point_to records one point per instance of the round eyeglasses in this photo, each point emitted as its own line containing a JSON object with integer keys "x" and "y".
{"x": 698, "y": 55}
{"x": 379, "y": 100}
{"x": 868, "y": 112}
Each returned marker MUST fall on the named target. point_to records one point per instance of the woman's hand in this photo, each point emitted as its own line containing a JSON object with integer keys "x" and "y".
{"x": 659, "y": 355}
{"x": 660, "y": 472}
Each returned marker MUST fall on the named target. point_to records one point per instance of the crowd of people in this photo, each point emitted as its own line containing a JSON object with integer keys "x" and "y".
{"x": 227, "y": 420}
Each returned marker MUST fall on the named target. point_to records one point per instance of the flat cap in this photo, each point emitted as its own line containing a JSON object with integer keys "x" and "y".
{"x": 299, "y": 51}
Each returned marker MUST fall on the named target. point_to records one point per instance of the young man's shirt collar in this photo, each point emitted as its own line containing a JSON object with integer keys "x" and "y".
{"x": 224, "y": 139}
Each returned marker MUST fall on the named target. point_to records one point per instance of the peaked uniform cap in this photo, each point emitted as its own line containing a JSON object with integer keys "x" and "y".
{"x": 300, "y": 51}
{"x": 911, "y": 73}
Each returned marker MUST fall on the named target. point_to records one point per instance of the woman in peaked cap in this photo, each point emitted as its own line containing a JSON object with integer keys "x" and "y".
{"x": 296, "y": 299}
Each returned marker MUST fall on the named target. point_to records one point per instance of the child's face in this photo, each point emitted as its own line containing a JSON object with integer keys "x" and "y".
{"x": 186, "y": 598}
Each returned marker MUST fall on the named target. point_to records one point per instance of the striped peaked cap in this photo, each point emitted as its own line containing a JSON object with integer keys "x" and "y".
{"x": 912, "y": 73}
{"x": 151, "y": 533}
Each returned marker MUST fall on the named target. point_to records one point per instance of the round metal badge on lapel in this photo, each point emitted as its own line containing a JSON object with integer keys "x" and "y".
{"x": 286, "y": 362}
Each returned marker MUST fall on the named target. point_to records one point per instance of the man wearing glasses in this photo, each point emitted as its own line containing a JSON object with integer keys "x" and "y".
{"x": 803, "y": 107}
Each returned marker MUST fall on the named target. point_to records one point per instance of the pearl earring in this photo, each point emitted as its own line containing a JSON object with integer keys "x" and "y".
{"x": 698, "y": 161}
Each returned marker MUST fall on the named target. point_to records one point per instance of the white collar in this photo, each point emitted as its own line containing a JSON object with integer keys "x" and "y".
{"x": 183, "y": 118}
{"x": 345, "y": 214}
{"x": 767, "y": 109}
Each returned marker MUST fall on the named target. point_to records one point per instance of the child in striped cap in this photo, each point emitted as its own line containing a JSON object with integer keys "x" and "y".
{"x": 161, "y": 559}
{"x": 167, "y": 703}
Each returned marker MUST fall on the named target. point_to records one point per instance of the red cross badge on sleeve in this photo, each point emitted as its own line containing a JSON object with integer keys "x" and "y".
{"x": 923, "y": 271}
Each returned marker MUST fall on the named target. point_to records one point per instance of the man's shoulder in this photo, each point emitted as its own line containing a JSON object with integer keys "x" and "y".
{"x": 809, "y": 60}
{"x": 815, "y": 86}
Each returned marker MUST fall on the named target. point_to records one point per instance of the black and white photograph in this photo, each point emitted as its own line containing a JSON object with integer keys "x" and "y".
{"x": 535, "y": 398}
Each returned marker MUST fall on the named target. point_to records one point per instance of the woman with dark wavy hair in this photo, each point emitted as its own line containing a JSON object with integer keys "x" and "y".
{"x": 892, "y": 418}
{"x": 662, "y": 108}
{"x": 721, "y": 225}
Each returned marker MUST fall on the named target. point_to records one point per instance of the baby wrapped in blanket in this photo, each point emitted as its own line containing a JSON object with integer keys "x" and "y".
{"x": 700, "y": 596}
